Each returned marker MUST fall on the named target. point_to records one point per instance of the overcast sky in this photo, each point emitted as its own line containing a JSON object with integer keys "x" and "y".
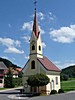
{"x": 56, "y": 19}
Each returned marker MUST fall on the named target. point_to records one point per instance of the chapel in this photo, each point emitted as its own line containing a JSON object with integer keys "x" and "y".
{"x": 38, "y": 63}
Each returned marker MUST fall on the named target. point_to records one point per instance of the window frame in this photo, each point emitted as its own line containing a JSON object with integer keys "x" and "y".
{"x": 39, "y": 48}
{"x": 56, "y": 80}
{"x": 33, "y": 47}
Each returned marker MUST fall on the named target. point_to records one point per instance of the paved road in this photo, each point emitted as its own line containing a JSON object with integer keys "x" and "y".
{"x": 66, "y": 96}
{"x": 4, "y": 94}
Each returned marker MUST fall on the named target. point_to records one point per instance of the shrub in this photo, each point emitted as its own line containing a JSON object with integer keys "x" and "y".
{"x": 17, "y": 81}
{"x": 53, "y": 92}
{"x": 38, "y": 80}
{"x": 60, "y": 91}
{"x": 36, "y": 94}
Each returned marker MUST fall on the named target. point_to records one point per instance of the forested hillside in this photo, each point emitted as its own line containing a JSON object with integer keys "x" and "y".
{"x": 8, "y": 63}
{"x": 69, "y": 71}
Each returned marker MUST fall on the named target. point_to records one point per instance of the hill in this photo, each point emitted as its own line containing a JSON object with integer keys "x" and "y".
{"x": 69, "y": 71}
{"x": 8, "y": 63}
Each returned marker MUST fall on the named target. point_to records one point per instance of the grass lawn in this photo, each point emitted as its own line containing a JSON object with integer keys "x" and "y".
{"x": 68, "y": 85}
{"x": 3, "y": 88}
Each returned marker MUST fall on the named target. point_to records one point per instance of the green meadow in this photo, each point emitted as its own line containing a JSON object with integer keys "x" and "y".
{"x": 68, "y": 85}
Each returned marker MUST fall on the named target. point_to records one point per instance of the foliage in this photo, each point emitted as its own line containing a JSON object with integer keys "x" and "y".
{"x": 69, "y": 71}
{"x": 60, "y": 91}
{"x": 20, "y": 74}
{"x": 64, "y": 77}
{"x": 36, "y": 94}
{"x": 53, "y": 92}
{"x": 38, "y": 80}
{"x": 17, "y": 82}
{"x": 8, "y": 82}
{"x": 8, "y": 63}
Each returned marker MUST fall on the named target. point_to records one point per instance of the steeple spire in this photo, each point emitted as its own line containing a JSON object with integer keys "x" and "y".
{"x": 35, "y": 24}
{"x": 35, "y": 4}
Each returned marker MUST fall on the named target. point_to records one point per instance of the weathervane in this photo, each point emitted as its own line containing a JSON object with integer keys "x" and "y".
{"x": 35, "y": 4}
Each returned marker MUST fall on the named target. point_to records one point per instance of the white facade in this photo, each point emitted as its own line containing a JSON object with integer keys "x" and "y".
{"x": 30, "y": 69}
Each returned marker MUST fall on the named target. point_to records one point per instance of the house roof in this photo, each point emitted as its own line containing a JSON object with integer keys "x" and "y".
{"x": 2, "y": 66}
{"x": 14, "y": 71}
{"x": 48, "y": 65}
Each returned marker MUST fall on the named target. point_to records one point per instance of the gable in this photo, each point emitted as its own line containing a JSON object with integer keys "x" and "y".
{"x": 2, "y": 66}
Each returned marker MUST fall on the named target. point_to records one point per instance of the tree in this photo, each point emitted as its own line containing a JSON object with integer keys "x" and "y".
{"x": 8, "y": 81}
{"x": 38, "y": 80}
{"x": 64, "y": 77}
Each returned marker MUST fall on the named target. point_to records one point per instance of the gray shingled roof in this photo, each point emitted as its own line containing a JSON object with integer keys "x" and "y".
{"x": 2, "y": 65}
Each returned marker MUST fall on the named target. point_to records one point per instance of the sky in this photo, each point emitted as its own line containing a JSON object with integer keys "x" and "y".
{"x": 56, "y": 19}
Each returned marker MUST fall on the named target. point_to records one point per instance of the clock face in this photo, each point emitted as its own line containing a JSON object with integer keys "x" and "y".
{"x": 33, "y": 42}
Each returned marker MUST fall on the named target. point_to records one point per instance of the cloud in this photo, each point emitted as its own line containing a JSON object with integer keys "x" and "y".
{"x": 9, "y": 25}
{"x": 5, "y": 57}
{"x": 64, "y": 64}
{"x": 64, "y": 34}
{"x": 26, "y": 57}
{"x": 13, "y": 50}
{"x": 9, "y": 42}
{"x": 51, "y": 16}
{"x": 43, "y": 45}
{"x": 40, "y": 15}
{"x": 41, "y": 30}
{"x": 11, "y": 45}
{"x": 26, "y": 38}
{"x": 43, "y": 16}
{"x": 29, "y": 26}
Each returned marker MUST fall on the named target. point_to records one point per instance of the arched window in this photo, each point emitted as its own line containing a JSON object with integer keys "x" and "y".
{"x": 33, "y": 47}
{"x": 33, "y": 64}
{"x": 39, "y": 47}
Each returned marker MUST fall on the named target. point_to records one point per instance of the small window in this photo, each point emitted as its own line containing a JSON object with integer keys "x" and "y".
{"x": 33, "y": 47}
{"x": 1, "y": 76}
{"x": 33, "y": 64}
{"x": 39, "y": 47}
{"x": 0, "y": 81}
{"x": 1, "y": 71}
{"x": 56, "y": 80}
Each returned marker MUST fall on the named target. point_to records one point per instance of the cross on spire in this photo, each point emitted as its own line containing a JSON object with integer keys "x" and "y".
{"x": 35, "y": 4}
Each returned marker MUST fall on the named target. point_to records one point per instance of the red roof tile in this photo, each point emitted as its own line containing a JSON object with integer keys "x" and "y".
{"x": 48, "y": 64}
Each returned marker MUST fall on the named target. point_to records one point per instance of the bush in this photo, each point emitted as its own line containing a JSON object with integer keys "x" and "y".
{"x": 17, "y": 81}
{"x": 36, "y": 94}
{"x": 64, "y": 77}
{"x": 60, "y": 91}
{"x": 53, "y": 92}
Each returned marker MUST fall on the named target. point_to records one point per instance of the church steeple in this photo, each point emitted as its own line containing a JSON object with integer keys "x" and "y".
{"x": 35, "y": 41}
{"x": 35, "y": 24}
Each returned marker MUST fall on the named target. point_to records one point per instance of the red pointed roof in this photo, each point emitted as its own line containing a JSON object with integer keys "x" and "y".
{"x": 48, "y": 65}
{"x": 35, "y": 26}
